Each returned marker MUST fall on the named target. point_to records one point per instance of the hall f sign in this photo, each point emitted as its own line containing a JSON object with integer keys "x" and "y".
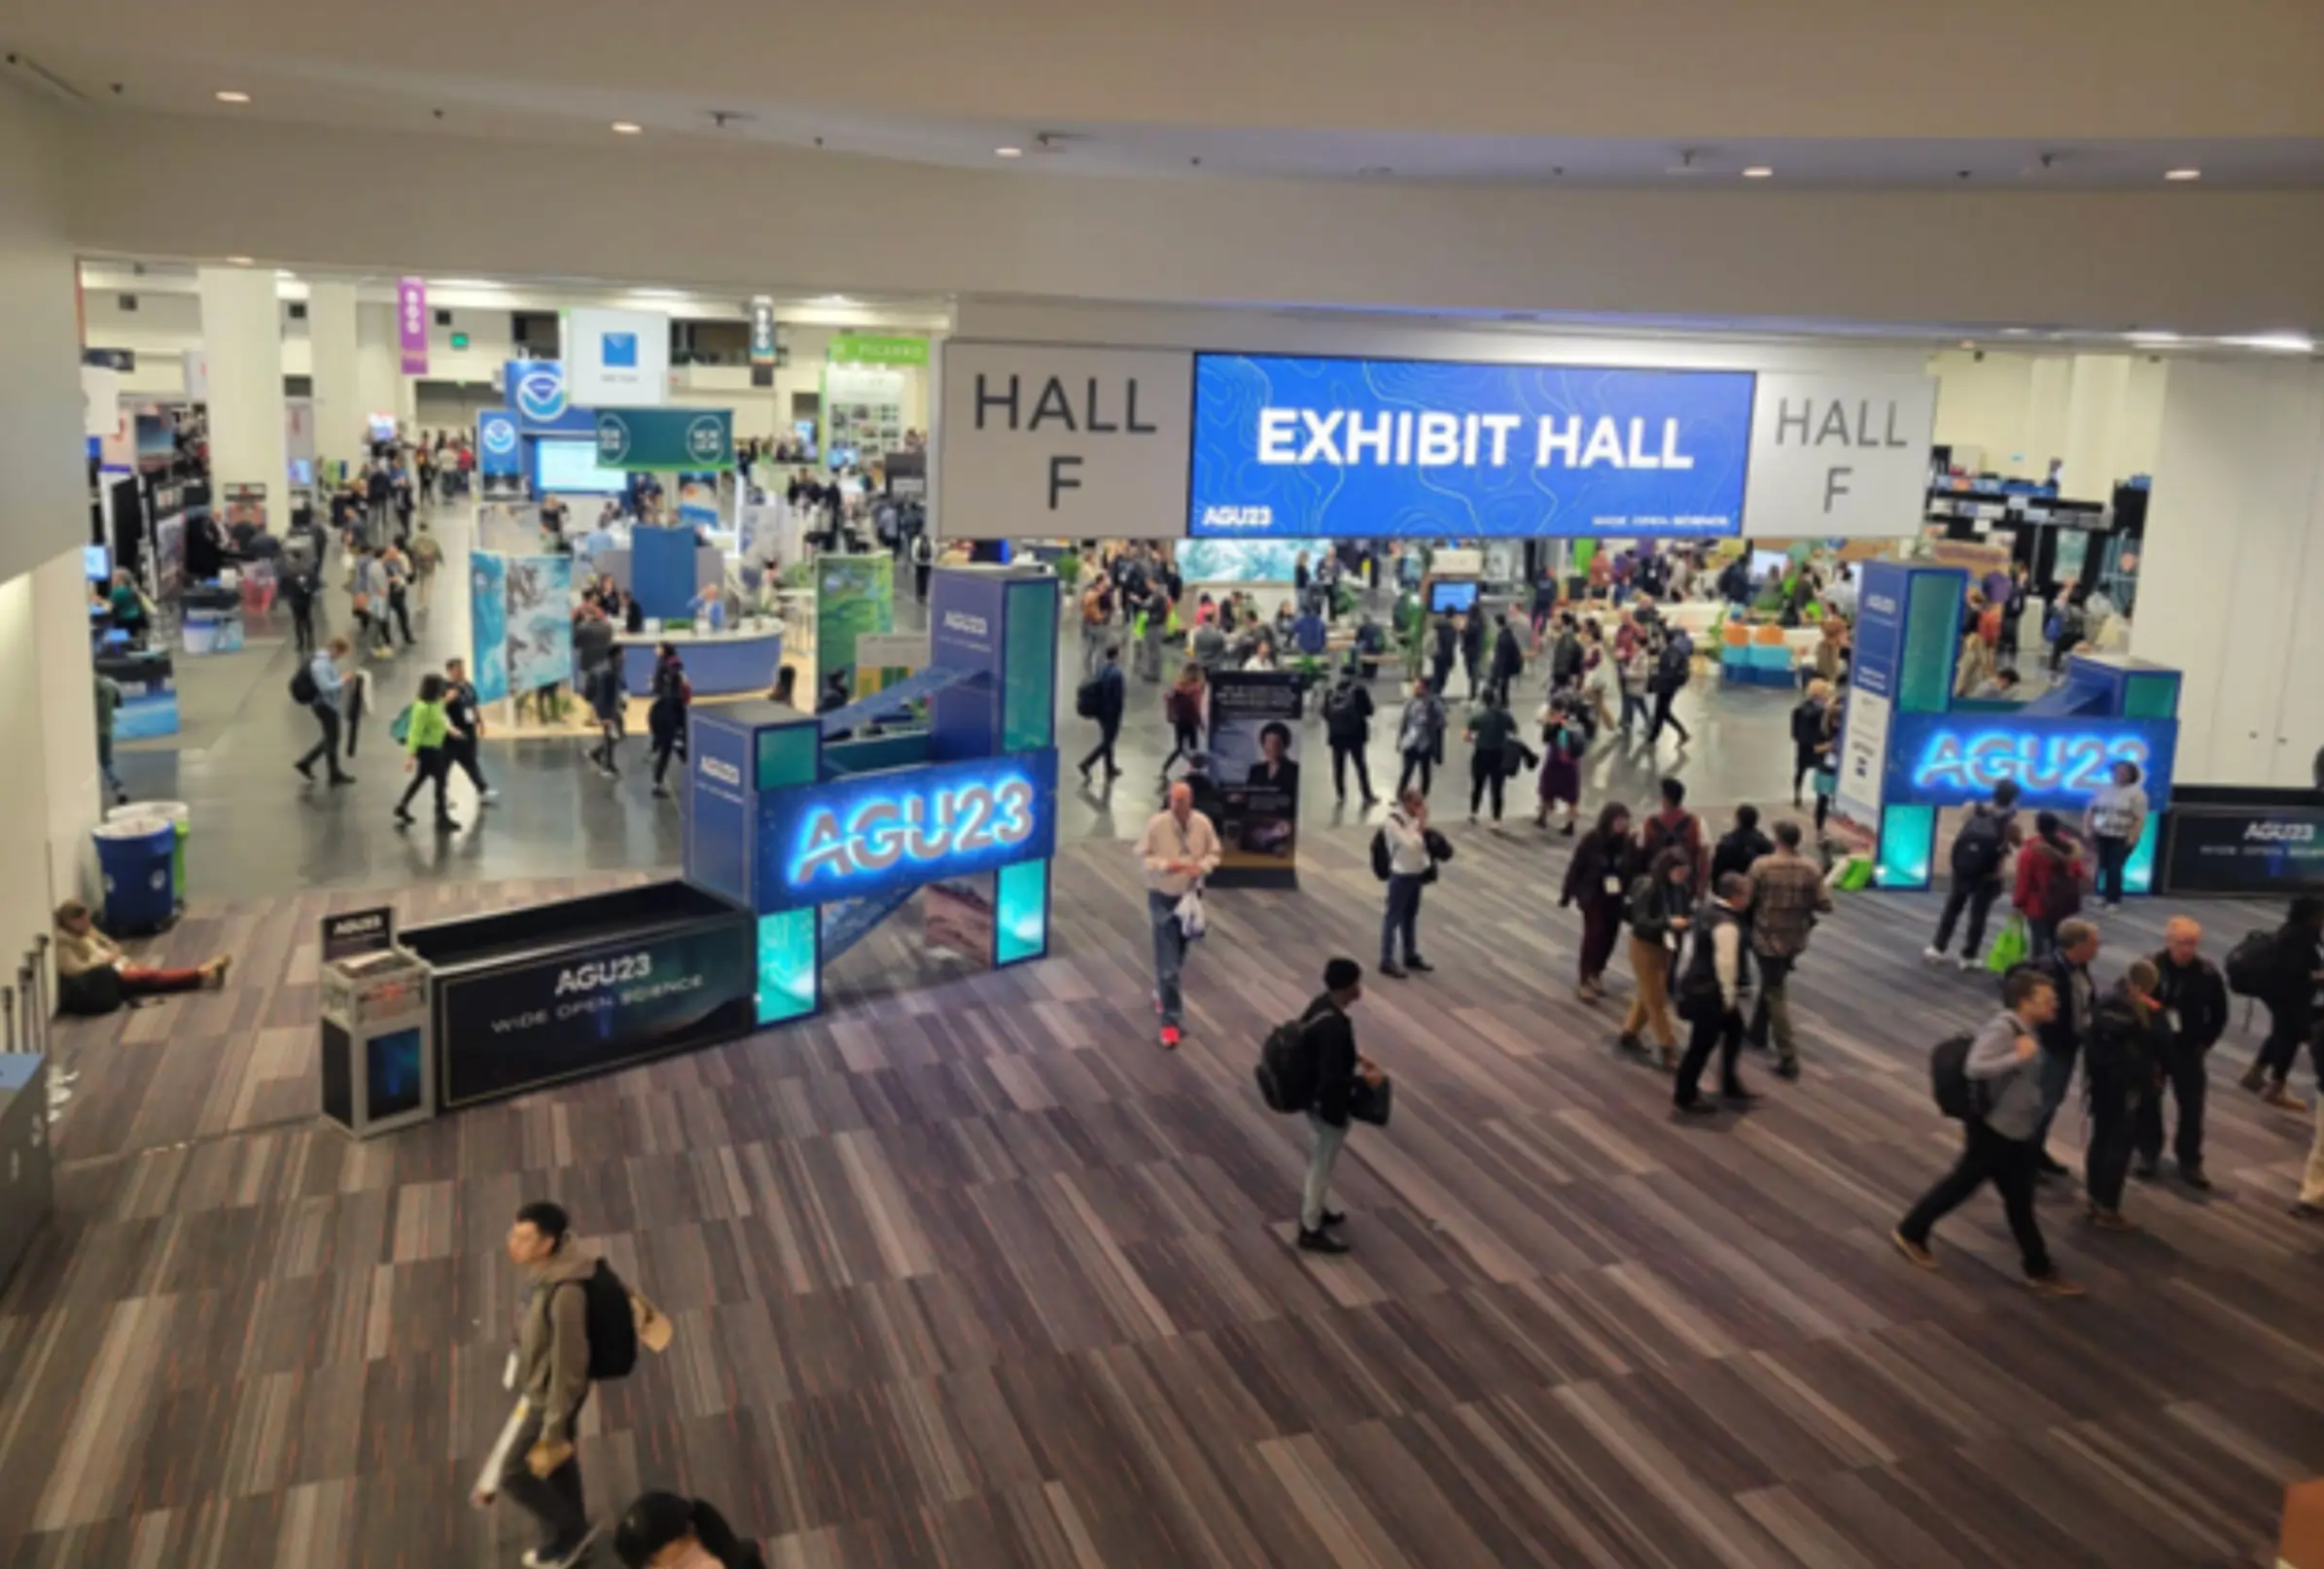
{"x": 1056, "y": 404}
{"x": 1833, "y": 427}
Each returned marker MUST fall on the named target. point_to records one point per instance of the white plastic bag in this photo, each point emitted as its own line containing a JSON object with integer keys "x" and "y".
{"x": 1192, "y": 919}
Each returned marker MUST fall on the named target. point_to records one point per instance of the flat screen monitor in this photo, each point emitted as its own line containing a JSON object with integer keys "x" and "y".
{"x": 97, "y": 563}
{"x": 1454, "y": 598}
{"x": 571, "y": 466}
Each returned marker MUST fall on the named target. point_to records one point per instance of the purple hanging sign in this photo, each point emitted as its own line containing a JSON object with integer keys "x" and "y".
{"x": 411, "y": 323}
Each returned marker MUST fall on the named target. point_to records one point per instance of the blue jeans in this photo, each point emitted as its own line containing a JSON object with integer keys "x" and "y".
{"x": 1402, "y": 917}
{"x": 2113, "y": 855}
{"x": 1169, "y": 953}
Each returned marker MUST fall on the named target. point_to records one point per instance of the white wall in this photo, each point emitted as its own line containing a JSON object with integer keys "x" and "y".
{"x": 2100, "y": 413}
{"x": 2233, "y": 567}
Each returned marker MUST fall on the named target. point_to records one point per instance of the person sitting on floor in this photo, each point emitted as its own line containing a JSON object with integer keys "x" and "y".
{"x": 95, "y": 976}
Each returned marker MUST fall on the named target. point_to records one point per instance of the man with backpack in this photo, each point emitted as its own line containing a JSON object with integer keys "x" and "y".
{"x": 1674, "y": 827}
{"x": 2283, "y": 970}
{"x": 1333, "y": 1070}
{"x": 2001, "y": 1107}
{"x": 2192, "y": 996}
{"x": 557, "y": 1356}
{"x": 1103, "y": 697}
{"x": 1347, "y": 726}
{"x": 317, "y": 686}
{"x": 1673, "y": 667}
{"x": 1979, "y": 852}
{"x": 1420, "y": 737}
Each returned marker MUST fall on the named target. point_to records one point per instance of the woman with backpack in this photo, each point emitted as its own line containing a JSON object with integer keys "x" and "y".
{"x": 664, "y": 1531}
{"x": 1596, "y": 878}
{"x": 2050, "y": 874}
{"x": 1660, "y": 908}
{"x": 1183, "y": 707}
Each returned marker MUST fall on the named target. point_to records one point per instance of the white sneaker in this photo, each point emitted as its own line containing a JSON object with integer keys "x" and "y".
{"x": 1970, "y": 961}
{"x": 1932, "y": 956}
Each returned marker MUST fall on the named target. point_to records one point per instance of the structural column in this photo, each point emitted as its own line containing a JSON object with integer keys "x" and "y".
{"x": 241, "y": 328}
{"x": 331, "y": 332}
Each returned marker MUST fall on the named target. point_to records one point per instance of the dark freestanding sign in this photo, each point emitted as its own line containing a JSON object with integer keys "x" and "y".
{"x": 2265, "y": 843}
{"x": 358, "y": 931}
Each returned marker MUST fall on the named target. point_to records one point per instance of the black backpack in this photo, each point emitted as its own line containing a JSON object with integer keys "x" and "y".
{"x": 1976, "y": 850}
{"x": 612, "y": 1325}
{"x": 1285, "y": 1072}
{"x": 2251, "y": 965}
{"x": 1672, "y": 667}
{"x": 1089, "y": 697}
{"x": 1382, "y": 855}
{"x": 1949, "y": 1078}
{"x": 303, "y": 690}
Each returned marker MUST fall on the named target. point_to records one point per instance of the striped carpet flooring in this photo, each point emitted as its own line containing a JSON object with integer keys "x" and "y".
{"x": 967, "y": 1272}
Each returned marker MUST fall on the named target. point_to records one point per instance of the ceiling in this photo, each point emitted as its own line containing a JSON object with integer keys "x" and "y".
{"x": 1588, "y": 93}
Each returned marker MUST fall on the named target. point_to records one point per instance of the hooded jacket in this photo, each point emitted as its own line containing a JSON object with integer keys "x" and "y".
{"x": 553, "y": 1342}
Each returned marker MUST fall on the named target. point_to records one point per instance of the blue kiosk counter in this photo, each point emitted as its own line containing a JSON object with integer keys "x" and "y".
{"x": 718, "y": 663}
{"x": 803, "y": 831}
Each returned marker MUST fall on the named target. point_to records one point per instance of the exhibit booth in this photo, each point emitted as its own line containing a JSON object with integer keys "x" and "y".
{"x": 803, "y": 832}
{"x": 1909, "y": 751}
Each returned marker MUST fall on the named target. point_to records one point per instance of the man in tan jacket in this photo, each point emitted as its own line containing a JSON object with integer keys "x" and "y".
{"x": 549, "y": 1371}
{"x": 1178, "y": 849}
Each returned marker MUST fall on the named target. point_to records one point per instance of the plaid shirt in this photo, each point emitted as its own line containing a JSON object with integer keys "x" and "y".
{"x": 1786, "y": 892}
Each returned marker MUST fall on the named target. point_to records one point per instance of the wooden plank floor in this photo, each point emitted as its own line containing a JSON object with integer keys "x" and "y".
{"x": 973, "y": 1274}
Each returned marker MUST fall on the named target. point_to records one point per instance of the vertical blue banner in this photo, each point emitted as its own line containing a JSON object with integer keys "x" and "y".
{"x": 489, "y": 624}
{"x": 967, "y": 616}
{"x": 500, "y": 452}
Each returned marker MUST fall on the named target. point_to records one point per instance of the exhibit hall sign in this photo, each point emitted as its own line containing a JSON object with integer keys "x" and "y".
{"x": 875, "y": 834}
{"x": 665, "y": 440}
{"x": 1840, "y": 455}
{"x": 1044, "y": 440}
{"x": 1324, "y": 448}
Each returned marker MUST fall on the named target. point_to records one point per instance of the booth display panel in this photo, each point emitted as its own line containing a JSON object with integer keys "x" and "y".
{"x": 2233, "y": 842}
{"x": 718, "y": 663}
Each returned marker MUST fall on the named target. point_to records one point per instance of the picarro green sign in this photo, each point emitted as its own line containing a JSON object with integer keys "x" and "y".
{"x": 873, "y": 348}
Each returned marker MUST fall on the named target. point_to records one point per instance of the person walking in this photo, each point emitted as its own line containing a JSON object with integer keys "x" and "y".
{"x": 1673, "y": 667}
{"x": 2049, "y": 882}
{"x": 597, "y": 677}
{"x": 1566, "y": 657}
{"x": 1493, "y": 736}
{"x": 1660, "y": 908}
{"x": 1105, "y": 697}
{"x": 1675, "y": 825}
{"x": 661, "y": 1530}
{"x": 1787, "y": 894}
{"x": 1596, "y": 876}
{"x": 2295, "y": 967}
{"x": 1183, "y": 707}
{"x": 426, "y": 557}
{"x": 1711, "y": 992}
{"x": 1097, "y": 623}
{"x": 2067, "y": 965}
{"x": 2193, "y": 997}
{"x": 1741, "y": 846}
{"x": 1178, "y": 849}
{"x": 2002, "y": 1137}
{"x": 1807, "y": 721}
{"x": 551, "y": 1374}
{"x": 1980, "y": 850}
{"x": 665, "y": 715}
{"x": 1409, "y": 868}
{"x": 398, "y": 569}
{"x": 1508, "y": 659}
{"x": 2113, "y": 822}
{"x": 2123, "y": 1060}
{"x": 1634, "y": 669}
{"x": 1347, "y": 726}
{"x": 1335, "y": 1070}
{"x": 299, "y": 586}
{"x": 320, "y": 693}
{"x": 1564, "y": 740}
{"x": 1420, "y": 737}
{"x": 1444, "y": 651}
{"x": 426, "y": 732}
{"x": 1472, "y": 649}
{"x": 466, "y": 719}
{"x": 108, "y": 697}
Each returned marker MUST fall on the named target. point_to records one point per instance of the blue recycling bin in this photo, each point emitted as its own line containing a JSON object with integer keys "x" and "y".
{"x": 134, "y": 856}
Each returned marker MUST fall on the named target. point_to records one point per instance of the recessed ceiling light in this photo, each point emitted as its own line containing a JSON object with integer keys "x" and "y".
{"x": 2182, "y": 174}
{"x": 832, "y": 299}
{"x": 232, "y": 95}
{"x": 1759, "y": 171}
{"x": 242, "y": 260}
{"x": 1008, "y": 151}
{"x": 2277, "y": 342}
{"x": 1969, "y": 344}
{"x": 2017, "y": 331}
{"x": 628, "y": 127}
{"x": 462, "y": 283}
{"x": 285, "y": 272}
{"x": 2143, "y": 336}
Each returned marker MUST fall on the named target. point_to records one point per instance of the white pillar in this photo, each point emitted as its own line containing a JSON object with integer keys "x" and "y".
{"x": 241, "y": 328}
{"x": 338, "y": 384}
{"x": 378, "y": 361}
{"x": 2233, "y": 567}
{"x": 2094, "y": 414}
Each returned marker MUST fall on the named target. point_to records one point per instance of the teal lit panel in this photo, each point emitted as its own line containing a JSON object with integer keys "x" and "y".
{"x": 1028, "y": 669}
{"x": 1908, "y": 846}
{"x": 788, "y": 755}
{"x": 1021, "y": 912}
{"x": 2139, "y": 872}
{"x": 2151, "y": 694}
{"x": 1932, "y": 635}
{"x": 789, "y": 985}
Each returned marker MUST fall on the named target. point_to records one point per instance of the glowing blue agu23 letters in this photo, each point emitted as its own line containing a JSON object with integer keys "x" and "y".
{"x": 927, "y": 827}
{"x": 2055, "y": 765}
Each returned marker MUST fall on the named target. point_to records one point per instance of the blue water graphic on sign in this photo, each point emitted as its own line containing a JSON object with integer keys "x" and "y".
{"x": 1311, "y": 448}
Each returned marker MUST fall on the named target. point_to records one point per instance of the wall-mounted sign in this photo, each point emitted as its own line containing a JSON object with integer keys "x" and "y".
{"x": 1315, "y": 448}
{"x": 459, "y": 341}
{"x": 1840, "y": 454}
{"x": 878, "y": 348}
{"x": 866, "y": 836}
{"x": 1951, "y": 759}
{"x": 499, "y": 451}
{"x": 617, "y": 357}
{"x": 763, "y": 337}
{"x": 411, "y": 324}
{"x": 1042, "y": 441}
{"x": 665, "y": 440}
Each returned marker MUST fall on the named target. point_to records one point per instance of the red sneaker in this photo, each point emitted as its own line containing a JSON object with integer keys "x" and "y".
{"x": 1169, "y": 1037}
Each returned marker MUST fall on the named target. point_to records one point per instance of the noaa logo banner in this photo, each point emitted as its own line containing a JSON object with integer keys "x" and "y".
{"x": 499, "y": 449}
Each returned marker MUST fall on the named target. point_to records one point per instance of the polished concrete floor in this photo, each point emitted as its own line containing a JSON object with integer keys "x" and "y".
{"x": 258, "y": 829}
